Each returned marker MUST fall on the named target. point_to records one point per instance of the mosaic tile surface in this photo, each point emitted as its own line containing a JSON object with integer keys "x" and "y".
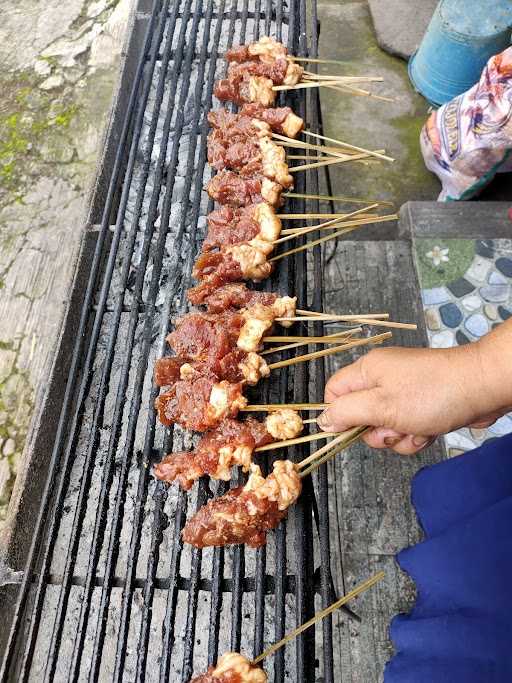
{"x": 467, "y": 291}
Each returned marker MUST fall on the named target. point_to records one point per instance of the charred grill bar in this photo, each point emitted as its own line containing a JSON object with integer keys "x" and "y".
{"x": 109, "y": 591}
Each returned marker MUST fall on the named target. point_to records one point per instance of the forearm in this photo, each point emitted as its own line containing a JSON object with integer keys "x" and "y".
{"x": 495, "y": 373}
{"x": 407, "y": 393}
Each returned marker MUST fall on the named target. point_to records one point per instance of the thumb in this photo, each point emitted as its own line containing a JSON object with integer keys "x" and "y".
{"x": 355, "y": 409}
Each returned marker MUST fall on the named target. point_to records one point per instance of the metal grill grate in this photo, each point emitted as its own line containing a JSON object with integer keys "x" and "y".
{"x": 109, "y": 592}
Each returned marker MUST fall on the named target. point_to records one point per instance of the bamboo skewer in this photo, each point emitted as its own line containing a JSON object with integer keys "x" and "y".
{"x": 327, "y": 162}
{"x": 304, "y": 84}
{"x": 331, "y": 339}
{"x": 306, "y": 340}
{"x": 340, "y": 222}
{"x": 341, "y": 438}
{"x": 341, "y": 87}
{"x": 305, "y": 157}
{"x": 294, "y": 442}
{"x": 269, "y": 407}
{"x": 333, "y": 151}
{"x": 292, "y": 233}
{"x": 306, "y": 216}
{"x": 331, "y": 449}
{"x": 347, "y": 317}
{"x": 322, "y": 317}
{"x": 334, "y": 198}
{"x": 342, "y": 144}
{"x": 377, "y": 339}
{"x": 310, "y": 245}
{"x": 327, "y": 151}
{"x": 385, "y": 323}
{"x": 321, "y": 615}
{"x": 315, "y": 60}
{"x": 334, "y": 452}
{"x": 311, "y": 76}
{"x": 334, "y": 222}
{"x": 344, "y": 335}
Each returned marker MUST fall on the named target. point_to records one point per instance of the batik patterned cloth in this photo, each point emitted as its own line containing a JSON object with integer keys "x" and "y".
{"x": 460, "y": 630}
{"x": 468, "y": 140}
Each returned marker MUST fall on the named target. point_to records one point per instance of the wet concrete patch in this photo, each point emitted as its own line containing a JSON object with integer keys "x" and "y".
{"x": 347, "y": 34}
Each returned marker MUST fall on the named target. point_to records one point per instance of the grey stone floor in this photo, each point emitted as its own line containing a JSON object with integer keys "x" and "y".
{"x": 57, "y": 87}
{"x": 347, "y": 33}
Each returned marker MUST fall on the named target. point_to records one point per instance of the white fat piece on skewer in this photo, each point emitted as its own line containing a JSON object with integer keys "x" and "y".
{"x": 259, "y": 89}
{"x": 291, "y": 126}
{"x": 254, "y": 368}
{"x": 280, "y": 425}
{"x": 252, "y": 258}
{"x": 235, "y": 664}
{"x": 273, "y": 161}
{"x": 260, "y": 318}
{"x": 267, "y": 50}
{"x": 283, "y": 486}
{"x": 284, "y": 424}
{"x": 269, "y": 222}
{"x": 220, "y": 405}
{"x": 271, "y": 191}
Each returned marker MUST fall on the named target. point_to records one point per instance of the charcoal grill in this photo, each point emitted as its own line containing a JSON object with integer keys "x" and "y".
{"x": 108, "y": 592}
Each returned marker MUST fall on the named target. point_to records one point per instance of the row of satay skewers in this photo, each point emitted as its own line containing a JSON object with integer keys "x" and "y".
{"x": 220, "y": 350}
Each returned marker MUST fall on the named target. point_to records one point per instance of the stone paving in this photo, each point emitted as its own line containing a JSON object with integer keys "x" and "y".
{"x": 59, "y": 69}
{"x": 467, "y": 291}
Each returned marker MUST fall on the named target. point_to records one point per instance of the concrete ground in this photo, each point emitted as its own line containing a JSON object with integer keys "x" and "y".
{"x": 59, "y": 69}
{"x": 347, "y": 34}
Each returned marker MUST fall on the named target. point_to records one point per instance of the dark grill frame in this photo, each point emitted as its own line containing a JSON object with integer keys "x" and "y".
{"x": 181, "y": 19}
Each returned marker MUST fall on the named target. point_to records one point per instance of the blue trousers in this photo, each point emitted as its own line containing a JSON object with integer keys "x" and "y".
{"x": 460, "y": 630}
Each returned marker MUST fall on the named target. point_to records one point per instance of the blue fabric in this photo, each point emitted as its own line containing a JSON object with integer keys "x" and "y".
{"x": 460, "y": 630}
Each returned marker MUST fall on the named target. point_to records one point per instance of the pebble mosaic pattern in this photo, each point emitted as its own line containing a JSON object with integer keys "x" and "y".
{"x": 467, "y": 291}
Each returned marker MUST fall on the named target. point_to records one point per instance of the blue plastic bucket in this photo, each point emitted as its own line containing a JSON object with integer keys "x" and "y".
{"x": 461, "y": 38}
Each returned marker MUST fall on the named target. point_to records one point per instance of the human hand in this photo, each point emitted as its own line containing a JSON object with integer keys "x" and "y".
{"x": 410, "y": 396}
